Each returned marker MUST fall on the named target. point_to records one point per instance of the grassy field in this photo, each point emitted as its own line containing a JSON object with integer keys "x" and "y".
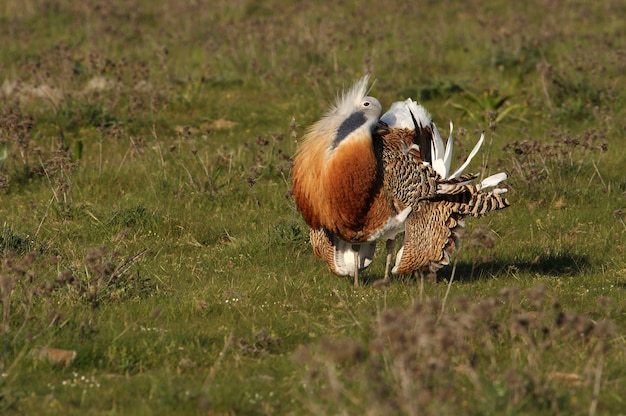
{"x": 153, "y": 262}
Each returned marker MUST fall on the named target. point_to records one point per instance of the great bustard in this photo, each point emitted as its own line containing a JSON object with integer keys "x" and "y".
{"x": 359, "y": 178}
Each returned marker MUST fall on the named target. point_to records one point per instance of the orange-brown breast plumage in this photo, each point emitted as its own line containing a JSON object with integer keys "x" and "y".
{"x": 338, "y": 171}
{"x": 338, "y": 191}
{"x": 350, "y": 184}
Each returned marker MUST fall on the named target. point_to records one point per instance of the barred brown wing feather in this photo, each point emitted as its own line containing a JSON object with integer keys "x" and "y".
{"x": 428, "y": 233}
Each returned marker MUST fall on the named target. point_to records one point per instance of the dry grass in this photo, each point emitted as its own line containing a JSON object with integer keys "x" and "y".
{"x": 510, "y": 353}
{"x": 152, "y": 260}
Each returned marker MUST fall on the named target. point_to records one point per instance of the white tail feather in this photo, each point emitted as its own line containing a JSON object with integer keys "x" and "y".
{"x": 399, "y": 115}
{"x": 469, "y": 158}
{"x": 492, "y": 180}
{"x": 419, "y": 112}
{"x": 437, "y": 152}
{"x": 448, "y": 155}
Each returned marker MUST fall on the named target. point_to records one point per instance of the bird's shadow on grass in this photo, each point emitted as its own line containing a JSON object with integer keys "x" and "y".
{"x": 548, "y": 265}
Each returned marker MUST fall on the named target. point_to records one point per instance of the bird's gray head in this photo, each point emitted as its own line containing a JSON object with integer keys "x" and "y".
{"x": 365, "y": 116}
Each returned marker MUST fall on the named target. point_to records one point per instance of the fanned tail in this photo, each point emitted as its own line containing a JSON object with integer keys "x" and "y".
{"x": 462, "y": 184}
{"x": 480, "y": 204}
{"x": 408, "y": 114}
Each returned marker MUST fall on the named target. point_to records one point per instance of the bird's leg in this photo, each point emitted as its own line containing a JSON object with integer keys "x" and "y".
{"x": 356, "y": 265}
{"x": 390, "y": 245}
{"x": 432, "y": 277}
{"x": 421, "y": 273}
